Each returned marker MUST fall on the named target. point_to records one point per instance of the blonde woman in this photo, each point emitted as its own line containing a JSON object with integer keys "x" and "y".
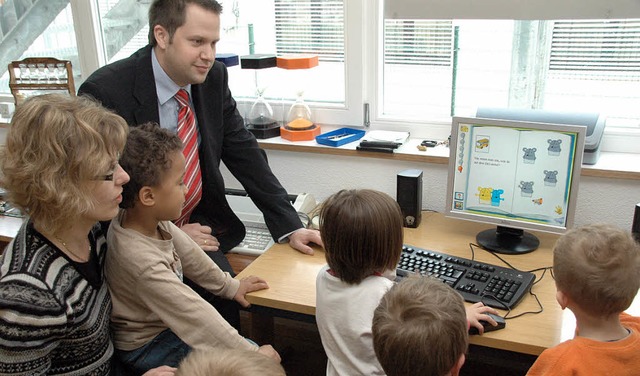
{"x": 60, "y": 167}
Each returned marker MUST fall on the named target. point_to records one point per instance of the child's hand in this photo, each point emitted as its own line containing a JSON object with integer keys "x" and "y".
{"x": 269, "y": 351}
{"x": 476, "y": 312}
{"x": 161, "y": 371}
{"x": 248, "y": 284}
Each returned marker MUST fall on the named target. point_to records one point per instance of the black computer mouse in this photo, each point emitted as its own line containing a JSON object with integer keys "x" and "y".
{"x": 487, "y": 326}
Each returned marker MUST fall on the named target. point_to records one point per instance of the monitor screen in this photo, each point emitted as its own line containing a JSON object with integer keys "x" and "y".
{"x": 517, "y": 175}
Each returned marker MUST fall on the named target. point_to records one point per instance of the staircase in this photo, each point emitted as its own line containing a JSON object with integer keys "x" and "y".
{"x": 23, "y": 21}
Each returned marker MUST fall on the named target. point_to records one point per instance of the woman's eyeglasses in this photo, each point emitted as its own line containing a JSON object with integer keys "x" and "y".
{"x": 109, "y": 176}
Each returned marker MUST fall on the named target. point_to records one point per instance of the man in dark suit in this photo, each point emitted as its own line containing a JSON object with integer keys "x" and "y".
{"x": 141, "y": 88}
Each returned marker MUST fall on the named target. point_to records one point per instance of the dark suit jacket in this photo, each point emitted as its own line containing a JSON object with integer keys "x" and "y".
{"x": 128, "y": 87}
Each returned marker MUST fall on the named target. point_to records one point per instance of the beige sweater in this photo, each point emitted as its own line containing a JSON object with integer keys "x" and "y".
{"x": 145, "y": 281}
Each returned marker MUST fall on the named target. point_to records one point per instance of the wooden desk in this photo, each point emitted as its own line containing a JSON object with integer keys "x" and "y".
{"x": 291, "y": 277}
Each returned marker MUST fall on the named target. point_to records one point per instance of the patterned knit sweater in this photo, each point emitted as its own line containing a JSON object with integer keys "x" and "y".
{"x": 52, "y": 320}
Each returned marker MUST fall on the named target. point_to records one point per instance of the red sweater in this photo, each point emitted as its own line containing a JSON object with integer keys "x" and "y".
{"x": 584, "y": 356}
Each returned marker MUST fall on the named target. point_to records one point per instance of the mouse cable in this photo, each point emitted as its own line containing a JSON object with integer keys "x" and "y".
{"x": 506, "y": 316}
{"x": 471, "y": 245}
{"x": 538, "y": 279}
{"x": 528, "y": 312}
{"x": 305, "y": 219}
{"x": 543, "y": 269}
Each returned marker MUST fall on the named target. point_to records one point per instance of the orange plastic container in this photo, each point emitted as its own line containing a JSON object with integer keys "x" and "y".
{"x": 306, "y": 135}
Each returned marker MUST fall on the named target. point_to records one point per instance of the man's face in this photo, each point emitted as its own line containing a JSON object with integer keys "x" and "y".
{"x": 188, "y": 57}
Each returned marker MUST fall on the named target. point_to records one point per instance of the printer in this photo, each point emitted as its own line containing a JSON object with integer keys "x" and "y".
{"x": 594, "y": 122}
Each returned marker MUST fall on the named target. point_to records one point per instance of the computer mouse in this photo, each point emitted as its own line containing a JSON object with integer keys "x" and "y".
{"x": 487, "y": 326}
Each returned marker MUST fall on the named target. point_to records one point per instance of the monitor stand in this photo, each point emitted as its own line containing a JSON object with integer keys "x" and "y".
{"x": 508, "y": 240}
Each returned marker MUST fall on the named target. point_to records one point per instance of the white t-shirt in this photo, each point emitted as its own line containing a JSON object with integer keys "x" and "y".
{"x": 344, "y": 314}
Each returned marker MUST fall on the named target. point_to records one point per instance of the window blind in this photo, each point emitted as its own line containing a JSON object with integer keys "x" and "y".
{"x": 418, "y": 42}
{"x": 310, "y": 26}
{"x": 596, "y": 46}
{"x": 511, "y": 9}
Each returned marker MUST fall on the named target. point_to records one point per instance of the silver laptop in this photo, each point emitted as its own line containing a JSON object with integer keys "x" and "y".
{"x": 258, "y": 239}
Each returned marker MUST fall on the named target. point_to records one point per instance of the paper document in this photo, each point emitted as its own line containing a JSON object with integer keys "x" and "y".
{"x": 389, "y": 136}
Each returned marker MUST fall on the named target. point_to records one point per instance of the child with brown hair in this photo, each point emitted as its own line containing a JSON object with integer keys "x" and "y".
{"x": 362, "y": 234}
{"x": 597, "y": 273}
{"x": 420, "y": 328}
{"x": 156, "y": 318}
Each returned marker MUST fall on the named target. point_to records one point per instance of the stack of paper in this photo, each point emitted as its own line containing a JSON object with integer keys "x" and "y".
{"x": 388, "y": 136}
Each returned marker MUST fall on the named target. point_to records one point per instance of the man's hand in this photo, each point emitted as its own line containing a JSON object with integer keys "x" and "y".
{"x": 161, "y": 371}
{"x": 201, "y": 235}
{"x": 269, "y": 351}
{"x": 301, "y": 238}
{"x": 248, "y": 284}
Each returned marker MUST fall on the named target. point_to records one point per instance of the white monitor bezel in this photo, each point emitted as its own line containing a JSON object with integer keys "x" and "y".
{"x": 580, "y": 130}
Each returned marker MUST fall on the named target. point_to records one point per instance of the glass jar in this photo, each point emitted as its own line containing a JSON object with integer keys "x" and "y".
{"x": 299, "y": 115}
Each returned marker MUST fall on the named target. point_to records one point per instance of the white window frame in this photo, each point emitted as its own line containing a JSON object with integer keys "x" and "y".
{"x": 364, "y": 56}
{"x": 614, "y": 139}
{"x": 86, "y": 21}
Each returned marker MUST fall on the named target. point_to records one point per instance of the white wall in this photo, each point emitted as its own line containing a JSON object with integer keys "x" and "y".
{"x": 599, "y": 199}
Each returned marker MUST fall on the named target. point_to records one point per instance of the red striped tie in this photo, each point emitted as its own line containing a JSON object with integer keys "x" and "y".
{"x": 193, "y": 179}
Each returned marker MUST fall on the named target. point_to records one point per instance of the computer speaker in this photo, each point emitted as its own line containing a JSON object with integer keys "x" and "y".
{"x": 635, "y": 226}
{"x": 409, "y": 196}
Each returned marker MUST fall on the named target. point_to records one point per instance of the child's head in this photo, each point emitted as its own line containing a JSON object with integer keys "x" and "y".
{"x": 153, "y": 158}
{"x": 420, "y": 328}
{"x": 597, "y": 267}
{"x": 228, "y": 362}
{"x": 362, "y": 233}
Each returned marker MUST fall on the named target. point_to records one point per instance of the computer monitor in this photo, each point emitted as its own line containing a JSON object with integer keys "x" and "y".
{"x": 517, "y": 175}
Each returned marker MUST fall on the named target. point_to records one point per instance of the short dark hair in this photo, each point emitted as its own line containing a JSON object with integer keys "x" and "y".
{"x": 362, "y": 233}
{"x": 420, "y": 328}
{"x": 146, "y": 158}
{"x": 171, "y": 14}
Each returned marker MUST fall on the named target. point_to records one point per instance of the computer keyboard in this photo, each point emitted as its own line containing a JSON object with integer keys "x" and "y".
{"x": 256, "y": 241}
{"x": 476, "y": 281}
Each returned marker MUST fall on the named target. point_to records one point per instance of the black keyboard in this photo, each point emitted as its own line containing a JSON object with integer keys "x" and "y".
{"x": 476, "y": 281}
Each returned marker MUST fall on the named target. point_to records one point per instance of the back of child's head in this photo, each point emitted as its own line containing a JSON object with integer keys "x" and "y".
{"x": 228, "y": 362}
{"x": 597, "y": 267}
{"x": 146, "y": 157}
{"x": 362, "y": 233}
{"x": 420, "y": 328}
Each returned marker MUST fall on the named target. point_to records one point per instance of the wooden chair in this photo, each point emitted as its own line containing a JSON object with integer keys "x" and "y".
{"x": 39, "y": 74}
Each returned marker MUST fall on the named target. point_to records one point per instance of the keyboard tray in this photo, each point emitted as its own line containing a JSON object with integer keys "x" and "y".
{"x": 476, "y": 281}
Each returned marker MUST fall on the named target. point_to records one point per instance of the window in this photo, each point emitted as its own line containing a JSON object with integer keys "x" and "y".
{"x": 579, "y": 65}
{"x": 414, "y": 72}
{"x": 433, "y": 69}
{"x": 125, "y": 27}
{"x": 285, "y": 27}
{"x": 36, "y": 30}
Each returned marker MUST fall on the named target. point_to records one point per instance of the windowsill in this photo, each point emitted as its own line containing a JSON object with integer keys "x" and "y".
{"x": 609, "y": 165}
